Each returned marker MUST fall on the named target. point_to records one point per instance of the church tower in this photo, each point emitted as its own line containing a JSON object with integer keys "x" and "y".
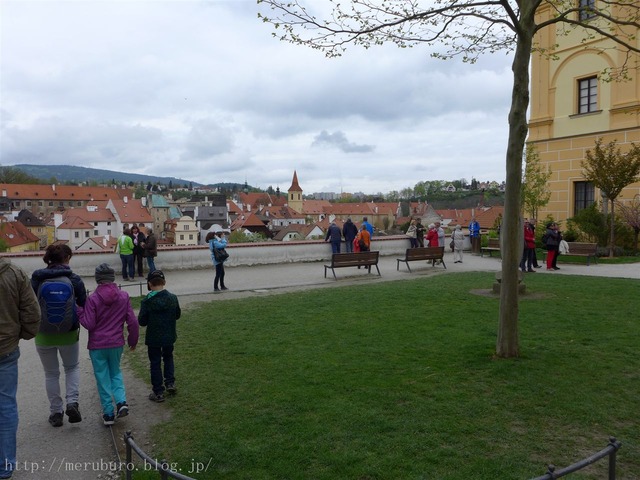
{"x": 294, "y": 198}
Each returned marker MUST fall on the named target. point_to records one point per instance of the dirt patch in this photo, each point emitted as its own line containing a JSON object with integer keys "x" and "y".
{"x": 523, "y": 296}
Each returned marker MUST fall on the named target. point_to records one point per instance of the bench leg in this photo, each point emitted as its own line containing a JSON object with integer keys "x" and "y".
{"x": 442, "y": 260}
{"x": 333, "y": 270}
{"x": 378, "y": 270}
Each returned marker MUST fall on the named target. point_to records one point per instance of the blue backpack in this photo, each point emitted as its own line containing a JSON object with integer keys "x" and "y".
{"x": 57, "y": 304}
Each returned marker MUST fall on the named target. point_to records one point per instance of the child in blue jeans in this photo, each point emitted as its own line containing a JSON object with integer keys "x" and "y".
{"x": 107, "y": 310}
{"x": 159, "y": 312}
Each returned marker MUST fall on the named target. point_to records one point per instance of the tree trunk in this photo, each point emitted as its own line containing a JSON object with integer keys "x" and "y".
{"x": 507, "y": 344}
{"x": 612, "y": 231}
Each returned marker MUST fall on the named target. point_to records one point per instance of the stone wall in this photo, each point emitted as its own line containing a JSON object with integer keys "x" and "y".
{"x": 186, "y": 258}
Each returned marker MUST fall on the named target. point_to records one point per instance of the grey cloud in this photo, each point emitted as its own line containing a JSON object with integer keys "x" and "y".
{"x": 208, "y": 138}
{"x": 339, "y": 140}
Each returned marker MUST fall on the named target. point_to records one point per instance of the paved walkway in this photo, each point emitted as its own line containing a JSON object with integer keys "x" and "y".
{"x": 84, "y": 450}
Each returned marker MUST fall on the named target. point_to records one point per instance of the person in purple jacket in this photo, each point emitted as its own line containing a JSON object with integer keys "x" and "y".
{"x": 106, "y": 311}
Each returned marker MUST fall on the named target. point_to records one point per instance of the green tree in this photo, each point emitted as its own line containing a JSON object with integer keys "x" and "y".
{"x": 468, "y": 29}
{"x": 16, "y": 176}
{"x": 611, "y": 170}
{"x": 630, "y": 212}
{"x": 535, "y": 190}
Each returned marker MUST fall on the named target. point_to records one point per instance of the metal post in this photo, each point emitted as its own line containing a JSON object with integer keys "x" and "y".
{"x": 127, "y": 436}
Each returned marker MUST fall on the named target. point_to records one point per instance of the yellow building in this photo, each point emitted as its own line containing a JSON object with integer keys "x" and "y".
{"x": 294, "y": 197}
{"x": 572, "y": 104}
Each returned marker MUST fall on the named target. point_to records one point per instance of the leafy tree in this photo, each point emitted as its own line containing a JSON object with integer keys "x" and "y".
{"x": 16, "y": 176}
{"x": 467, "y": 28}
{"x": 611, "y": 170}
{"x": 631, "y": 214}
{"x": 535, "y": 190}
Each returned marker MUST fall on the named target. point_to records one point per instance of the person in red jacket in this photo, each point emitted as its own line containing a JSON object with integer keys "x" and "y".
{"x": 432, "y": 236}
{"x": 529, "y": 249}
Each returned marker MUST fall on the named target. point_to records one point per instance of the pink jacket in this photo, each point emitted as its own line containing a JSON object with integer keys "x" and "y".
{"x": 107, "y": 310}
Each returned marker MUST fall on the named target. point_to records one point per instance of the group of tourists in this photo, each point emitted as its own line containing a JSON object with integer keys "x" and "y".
{"x": 355, "y": 239}
{"x": 52, "y": 306}
{"x": 133, "y": 245}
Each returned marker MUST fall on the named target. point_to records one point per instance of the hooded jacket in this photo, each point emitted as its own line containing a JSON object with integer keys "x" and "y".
{"x": 19, "y": 308}
{"x": 159, "y": 312}
{"x": 107, "y": 310}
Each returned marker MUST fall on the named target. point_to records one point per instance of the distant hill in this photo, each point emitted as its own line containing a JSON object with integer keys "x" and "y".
{"x": 70, "y": 173}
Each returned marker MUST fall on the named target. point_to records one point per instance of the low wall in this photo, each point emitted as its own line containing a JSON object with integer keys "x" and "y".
{"x": 188, "y": 258}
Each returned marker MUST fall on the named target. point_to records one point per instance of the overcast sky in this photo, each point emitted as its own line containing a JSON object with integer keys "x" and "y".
{"x": 200, "y": 90}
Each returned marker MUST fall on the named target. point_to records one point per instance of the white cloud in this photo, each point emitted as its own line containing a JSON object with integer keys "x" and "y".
{"x": 200, "y": 90}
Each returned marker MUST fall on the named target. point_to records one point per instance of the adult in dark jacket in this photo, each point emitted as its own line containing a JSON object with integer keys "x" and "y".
{"x": 420, "y": 231}
{"x": 349, "y": 231}
{"x": 64, "y": 344}
{"x": 335, "y": 236}
{"x": 19, "y": 319}
{"x": 552, "y": 238}
{"x": 138, "y": 248}
{"x": 150, "y": 250}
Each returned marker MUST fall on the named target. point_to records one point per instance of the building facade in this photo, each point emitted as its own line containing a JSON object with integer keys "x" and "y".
{"x": 573, "y": 104}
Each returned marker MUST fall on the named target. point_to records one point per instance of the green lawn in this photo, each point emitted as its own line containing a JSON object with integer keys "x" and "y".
{"x": 396, "y": 380}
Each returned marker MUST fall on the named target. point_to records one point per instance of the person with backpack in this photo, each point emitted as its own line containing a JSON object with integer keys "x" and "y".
{"x": 60, "y": 292}
{"x": 19, "y": 320}
{"x": 217, "y": 247}
{"x": 104, "y": 315}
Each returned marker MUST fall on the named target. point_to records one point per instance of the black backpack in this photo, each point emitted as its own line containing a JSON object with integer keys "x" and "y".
{"x": 57, "y": 304}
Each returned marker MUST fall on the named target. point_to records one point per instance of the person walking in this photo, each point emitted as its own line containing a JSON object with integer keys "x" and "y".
{"x": 59, "y": 335}
{"x": 138, "y": 249}
{"x": 217, "y": 242}
{"x": 526, "y": 263}
{"x": 349, "y": 231}
{"x": 19, "y": 320}
{"x": 458, "y": 243}
{"x": 151, "y": 250}
{"x": 334, "y": 236}
{"x": 159, "y": 311}
{"x": 104, "y": 315}
{"x": 474, "y": 236}
{"x": 412, "y": 234}
{"x": 125, "y": 248}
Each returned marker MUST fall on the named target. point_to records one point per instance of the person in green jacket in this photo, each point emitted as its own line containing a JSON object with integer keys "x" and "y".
{"x": 125, "y": 248}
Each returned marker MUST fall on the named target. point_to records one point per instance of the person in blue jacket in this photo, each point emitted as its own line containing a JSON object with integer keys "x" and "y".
{"x": 217, "y": 241}
{"x": 474, "y": 235}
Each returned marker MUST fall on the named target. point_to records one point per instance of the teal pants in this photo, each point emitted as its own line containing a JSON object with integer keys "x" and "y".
{"x": 106, "y": 369}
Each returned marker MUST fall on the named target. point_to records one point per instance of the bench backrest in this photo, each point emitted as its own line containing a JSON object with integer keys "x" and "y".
{"x": 582, "y": 247}
{"x": 354, "y": 259}
{"x": 424, "y": 253}
{"x": 493, "y": 243}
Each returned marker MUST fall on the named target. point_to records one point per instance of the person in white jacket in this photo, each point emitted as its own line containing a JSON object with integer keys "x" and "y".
{"x": 458, "y": 243}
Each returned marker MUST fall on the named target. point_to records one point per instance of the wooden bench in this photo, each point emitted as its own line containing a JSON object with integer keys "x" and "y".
{"x": 493, "y": 245}
{"x": 581, "y": 249}
{"x": 422, "y": 253}
{"x": 356, "y": 259}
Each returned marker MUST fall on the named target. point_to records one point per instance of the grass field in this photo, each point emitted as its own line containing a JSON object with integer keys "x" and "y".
{"x": 397, "y": 380}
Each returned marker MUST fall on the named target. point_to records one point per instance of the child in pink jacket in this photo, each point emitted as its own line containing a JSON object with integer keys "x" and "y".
{"x": 106, "y": 311}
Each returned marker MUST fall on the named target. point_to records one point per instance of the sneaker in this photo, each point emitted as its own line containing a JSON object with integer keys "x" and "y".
{"x": 531, "y": 271}
{"x": 556, "y": 268}
{"x": 224, "y": 288}
{"x": 171, "y": 388}
{"x": 56, "y": 419}
{"x": 73, "y": 412}
{"x": 156, "y": 397}
{"x": 122, "y": 409}
{"x": 108, "y": 420}
{"x": 216, "y": 289}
